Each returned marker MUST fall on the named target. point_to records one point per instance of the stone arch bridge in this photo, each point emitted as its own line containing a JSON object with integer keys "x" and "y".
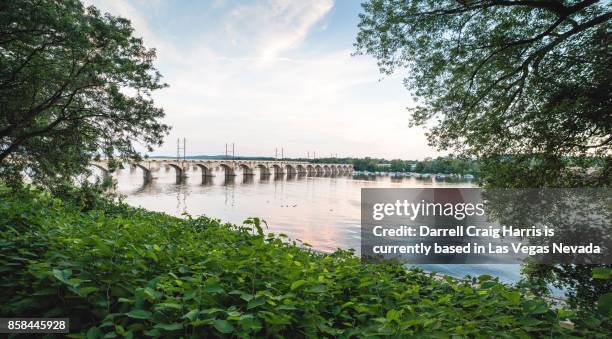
{"x": 232, "y": 167}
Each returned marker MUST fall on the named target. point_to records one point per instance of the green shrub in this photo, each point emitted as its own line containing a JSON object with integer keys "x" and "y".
{"x": 126, "y": 272}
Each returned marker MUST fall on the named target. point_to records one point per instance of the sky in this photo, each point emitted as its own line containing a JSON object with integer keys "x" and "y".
{"x": 271, "y": 74}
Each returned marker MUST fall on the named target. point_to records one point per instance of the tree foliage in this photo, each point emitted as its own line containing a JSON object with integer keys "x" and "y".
{"x": 74, "y": 84}
{"x": 522, "y": 85}
{"x": 501, "y": 77}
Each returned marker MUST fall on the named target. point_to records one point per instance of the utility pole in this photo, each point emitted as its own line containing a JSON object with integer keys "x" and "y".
{"x": 282, "y": 153}
{"x": 184, "y": 149}
{"x": 232, "y": 151}
{"x": 179, "y": 148}
{"x": 276, "y": 153}
{"x": 308, "y": 156}
{"x": 226, "y": 150}
{"x": 314, "y": 155}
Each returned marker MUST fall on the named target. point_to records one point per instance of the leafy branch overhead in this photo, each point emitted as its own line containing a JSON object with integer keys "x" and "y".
{"x": 500, "y": 77}
{"x": 74, "y": 83}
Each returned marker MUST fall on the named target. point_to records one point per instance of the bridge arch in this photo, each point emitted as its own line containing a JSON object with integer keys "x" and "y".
{"x": 310, "y": 169}
{"x": 319, "y": 169}
{"x": 290, "y": 169}
{"x": 263, "y": 169}
{"x": 106, "y": 173}
{"x": 179, "y": 170}
{"x": 301, "y": 169}
{"x": 277, "y": 169}
{"x": 246, "y": 169}
{"x": 326, "y": 170}
{"x": 146, "y": 173}
{"x": 206, "y": 171}
{"x": 229, "y": 170}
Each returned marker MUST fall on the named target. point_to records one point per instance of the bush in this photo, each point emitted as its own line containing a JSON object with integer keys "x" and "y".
{"x": 126, "y": 272}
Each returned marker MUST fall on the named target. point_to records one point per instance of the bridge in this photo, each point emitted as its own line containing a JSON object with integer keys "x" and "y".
{"x": 232, "y": 167}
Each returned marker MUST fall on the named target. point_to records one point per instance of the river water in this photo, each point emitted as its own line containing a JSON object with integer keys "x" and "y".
{"x": 321, "y": 211}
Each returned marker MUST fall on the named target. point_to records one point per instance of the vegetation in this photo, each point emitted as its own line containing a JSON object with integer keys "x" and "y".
{"x": 523, "y": 86}
{"x": 117, "y": 271}
{"x": 73, "y": 84}
{"x": 500, "y": 77}
{"x": 525, "y": 78}
{"x": 447, "y": 165}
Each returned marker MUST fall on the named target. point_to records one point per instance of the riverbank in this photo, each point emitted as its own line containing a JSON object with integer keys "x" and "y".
{"x": 119, "y": 271}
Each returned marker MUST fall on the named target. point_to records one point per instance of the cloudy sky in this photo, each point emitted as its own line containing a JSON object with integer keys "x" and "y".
{"x": 267, "y": 74}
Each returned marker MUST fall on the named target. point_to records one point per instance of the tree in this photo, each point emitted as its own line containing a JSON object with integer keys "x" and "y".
{"x": 501, "y": 77}
{"x": 74, "y": 84}
{"x": 398, "y": 165}
{"x": 522, "y": 85}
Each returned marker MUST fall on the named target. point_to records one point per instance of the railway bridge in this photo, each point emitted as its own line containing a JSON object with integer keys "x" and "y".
{"x": 233, "y": 167}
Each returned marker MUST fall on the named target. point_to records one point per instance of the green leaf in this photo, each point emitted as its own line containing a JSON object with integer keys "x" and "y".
{"x": 152, "y": 333}
{"x": 94, "y": 333}
{"x": 169, "y": 305}
{"x": 62, "y": 275}
{"x": 513, "y": 297}
{"x": 192, "y": 315}
{"x": 214, "y": 289}
{"x": 255, "y": 303}
{"x": 296, "y": 284}
{"x": 537, "y": 307}
{"x": 604, "y": 304}
{"x": 484, "y": 277}
{"x": 139, "y": 314}
{"x": 246, "y": 297}
{"x": 602, "y": 273}
{"x": 393, "y": 314}
{"x": 319, "y": 288}
{"x": 170, "y": 327}
{"x": 223, "y": 326}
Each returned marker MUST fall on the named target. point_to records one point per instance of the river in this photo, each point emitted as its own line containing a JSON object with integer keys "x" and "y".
{"x": 321, "y": 211}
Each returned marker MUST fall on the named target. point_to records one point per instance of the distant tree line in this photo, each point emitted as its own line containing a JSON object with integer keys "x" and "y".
{"x": 446, "y": 165}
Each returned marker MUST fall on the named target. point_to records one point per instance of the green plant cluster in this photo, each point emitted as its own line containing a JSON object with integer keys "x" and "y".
{"x": 126, "y": 272}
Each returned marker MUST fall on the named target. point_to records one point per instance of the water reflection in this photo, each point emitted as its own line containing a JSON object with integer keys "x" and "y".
{"x": 229, "y": 180}
{"x": 248, "y": 179}
{"x": 321, "y": 209}
{"x": 207, "y": 180}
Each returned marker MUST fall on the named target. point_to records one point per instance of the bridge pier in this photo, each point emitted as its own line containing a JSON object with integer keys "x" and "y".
{"x": 247, "y": 171}
{"x": 264, "y": 171}
{"x": 290, "y": 170}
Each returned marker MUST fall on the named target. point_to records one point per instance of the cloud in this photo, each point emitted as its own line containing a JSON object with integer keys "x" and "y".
{"x": 133, "y": 12}
{"x": 243, "y": 77}
{"x": 273, "y": 26}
